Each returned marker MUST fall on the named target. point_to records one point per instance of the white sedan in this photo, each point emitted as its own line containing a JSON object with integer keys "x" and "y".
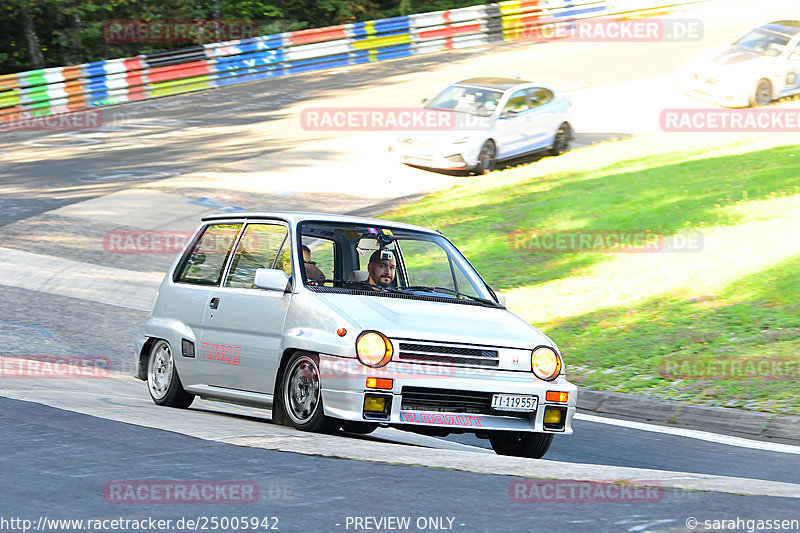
{"x": 495, "y": 119}
{"x": 756, "y": 69}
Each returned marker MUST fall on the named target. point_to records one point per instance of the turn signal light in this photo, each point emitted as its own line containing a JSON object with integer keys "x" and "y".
{"x": 380, "y": 383}
{"x": 556, "y": 396}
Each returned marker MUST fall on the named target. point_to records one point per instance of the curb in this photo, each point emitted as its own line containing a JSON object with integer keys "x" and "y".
{"x": 731, "y": 421}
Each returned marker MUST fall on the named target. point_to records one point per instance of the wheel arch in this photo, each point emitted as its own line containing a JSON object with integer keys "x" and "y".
{"x": 754, "y": 90}
{"x": 278, "y": 415}
{"x": 144, "y": 357}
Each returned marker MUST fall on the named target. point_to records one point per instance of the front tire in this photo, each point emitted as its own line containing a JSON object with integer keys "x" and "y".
{"x": 301, "y": 395}
{"x": 487, "y": 159}
{"x": 762, "y": 94}
{"x": 521, "y": 444}
{"x": 162, "y": 378}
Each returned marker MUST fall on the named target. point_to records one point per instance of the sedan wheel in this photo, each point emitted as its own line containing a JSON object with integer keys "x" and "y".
{"x": 162, "y": 378}
{"x": 302, "y": 395}
{"x": 762, "y": 95}
{"x": 521, "y": 444}
{"x": 487, "y": 159}
{"x": 562, "y": 139}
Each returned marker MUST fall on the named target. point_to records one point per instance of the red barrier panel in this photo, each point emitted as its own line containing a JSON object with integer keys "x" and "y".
{"x": 176, "y": 72}
{"x": 317, "y": 35}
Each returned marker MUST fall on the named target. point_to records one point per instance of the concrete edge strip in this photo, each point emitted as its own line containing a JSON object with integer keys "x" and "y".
{"x": 74, "y": 279}
{"x": 694, "y": 434}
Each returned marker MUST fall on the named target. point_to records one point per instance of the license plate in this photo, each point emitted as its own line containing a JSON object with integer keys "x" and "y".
{"x": 514, "y": 402}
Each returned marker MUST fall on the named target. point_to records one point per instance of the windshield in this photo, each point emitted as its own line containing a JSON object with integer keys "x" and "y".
{"x": 764, "y": 42}
{"x": 387, "y": 261}
{"x": 470, "y": 100}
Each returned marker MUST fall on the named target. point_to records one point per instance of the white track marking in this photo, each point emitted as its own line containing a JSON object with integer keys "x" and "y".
{"x": 693, "y": 434}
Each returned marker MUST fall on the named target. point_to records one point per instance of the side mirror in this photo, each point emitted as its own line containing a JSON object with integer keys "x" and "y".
{"x": 271, "y": 279}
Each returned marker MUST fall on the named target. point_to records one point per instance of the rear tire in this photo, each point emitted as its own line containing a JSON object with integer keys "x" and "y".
{"x": 521, "y": 444}
{"x": 561, "y": 140}
{"x": 301, "y": 395}
{"x": 162, "y": 378}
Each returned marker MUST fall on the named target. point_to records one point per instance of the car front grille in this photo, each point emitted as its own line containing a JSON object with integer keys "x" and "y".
{"x": 446, "y": 400}
{"x": 462, "y": 355}
{"x": 450, "y": 401}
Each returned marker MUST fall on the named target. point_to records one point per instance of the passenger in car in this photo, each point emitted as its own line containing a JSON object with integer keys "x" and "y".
{"x": 312, "y": 272}
{"x": 381, "y": 268}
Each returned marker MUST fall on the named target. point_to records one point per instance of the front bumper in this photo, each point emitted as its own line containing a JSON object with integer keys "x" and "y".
{"x": 344, "y": 389}
{"x": 715, "y": 93}
{"x": 429, "y": 155}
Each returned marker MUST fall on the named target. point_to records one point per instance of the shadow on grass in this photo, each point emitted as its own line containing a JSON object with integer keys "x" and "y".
{"x": 665, "y": 198}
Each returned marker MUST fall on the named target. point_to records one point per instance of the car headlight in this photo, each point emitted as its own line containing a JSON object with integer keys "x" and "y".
{"x": 545, "y": 363}
{"x": 373, "y": 349}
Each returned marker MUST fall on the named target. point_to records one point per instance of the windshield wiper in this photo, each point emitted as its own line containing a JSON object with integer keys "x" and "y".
{"x": 445, "y": 290}
{"x": 342, "y": 282}
{"x": 371, "y": 286}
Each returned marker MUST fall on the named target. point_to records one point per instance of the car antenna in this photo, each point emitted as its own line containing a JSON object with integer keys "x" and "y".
{"x": 421, "y": 213}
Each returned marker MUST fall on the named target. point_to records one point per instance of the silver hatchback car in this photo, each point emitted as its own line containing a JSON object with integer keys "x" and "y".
{"x": 353, "y": 323}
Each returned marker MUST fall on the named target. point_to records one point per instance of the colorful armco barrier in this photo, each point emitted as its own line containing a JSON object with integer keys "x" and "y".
{"x": 116, "y": 81}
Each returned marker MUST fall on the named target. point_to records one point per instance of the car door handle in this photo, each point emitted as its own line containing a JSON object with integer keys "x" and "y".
{"x": 214, "y": 303}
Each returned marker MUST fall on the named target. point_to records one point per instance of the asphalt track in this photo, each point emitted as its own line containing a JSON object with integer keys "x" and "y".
{"x": 161, "y": 164}
{"x": 304, "y": 493}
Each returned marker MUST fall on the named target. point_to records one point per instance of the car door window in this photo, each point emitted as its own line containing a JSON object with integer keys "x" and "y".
{"x": 323, "y": 256}
{"x": 259, "y": 247}
{"x": 517, "y": 103}
{"x": 205, "y": 262}
{"x": 539, "y": 96}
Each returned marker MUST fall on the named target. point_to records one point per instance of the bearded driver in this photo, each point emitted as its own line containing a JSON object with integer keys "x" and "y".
{"x": 381, "y": 271}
